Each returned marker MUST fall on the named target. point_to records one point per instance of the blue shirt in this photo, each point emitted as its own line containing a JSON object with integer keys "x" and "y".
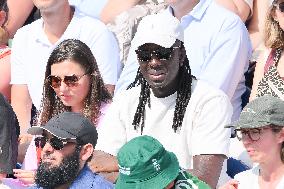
{"x": 86, "y": 180}
{"x": 217, "y": 46}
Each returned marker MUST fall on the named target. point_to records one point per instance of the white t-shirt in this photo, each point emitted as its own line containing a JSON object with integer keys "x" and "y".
{"x": 202, "y": 130}
{"x": 31, "y": 49}
{"x": 249, "y": 179}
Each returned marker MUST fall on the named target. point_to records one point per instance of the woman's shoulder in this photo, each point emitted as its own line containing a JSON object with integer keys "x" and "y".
{"x": 248, "y": 175}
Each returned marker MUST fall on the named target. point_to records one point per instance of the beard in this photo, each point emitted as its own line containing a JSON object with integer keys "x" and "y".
{"x": 64, "y": 173}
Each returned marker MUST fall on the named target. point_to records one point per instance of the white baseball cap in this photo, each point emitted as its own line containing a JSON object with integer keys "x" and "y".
{"x": 161, "y": 29}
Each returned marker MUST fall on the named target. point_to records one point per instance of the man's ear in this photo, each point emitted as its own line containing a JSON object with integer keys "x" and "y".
{"x": 280, "y": 136}
{"x": 86, "y": 151}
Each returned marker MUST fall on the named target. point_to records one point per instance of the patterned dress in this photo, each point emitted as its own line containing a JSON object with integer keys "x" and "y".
{"x": 272, "y": 83}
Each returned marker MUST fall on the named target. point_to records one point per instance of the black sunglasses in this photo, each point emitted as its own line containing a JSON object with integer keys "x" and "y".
{"x": 280, "y": 6}
{"x": 70, "y": 81}
{"x": 55, "y": 143}
{"x": 161, "y": 53}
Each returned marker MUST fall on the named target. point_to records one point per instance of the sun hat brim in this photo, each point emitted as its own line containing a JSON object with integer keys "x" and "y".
{"x": 163, "y": 179}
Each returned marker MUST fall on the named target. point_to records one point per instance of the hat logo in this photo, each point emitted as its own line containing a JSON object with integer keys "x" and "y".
{"x": 124, "y": 170}
{"x": 156, "y": 164}
{"x": 249, "y": 110}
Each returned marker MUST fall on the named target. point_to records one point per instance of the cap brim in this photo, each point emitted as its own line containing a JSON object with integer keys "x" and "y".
{"x": 35, "y": 130}
{"x": 161, "y": 40}
{"x": 163, "y": 179}
{"x": 239, "y": 125}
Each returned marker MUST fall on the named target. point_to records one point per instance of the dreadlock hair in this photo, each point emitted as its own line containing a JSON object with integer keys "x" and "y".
{"x": 183, "y": 96}
{"x": 79, "y": 52}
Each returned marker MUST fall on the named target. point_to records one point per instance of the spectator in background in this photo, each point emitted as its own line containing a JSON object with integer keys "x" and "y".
{"x": 269, "y": 72}
{"x": 165, "y": 101}
{"x": 68, "y": 141}
{"x": 33, "y": 44}
{"x": 20, "y": 13}
{"x": 72, "y": 83}
{"x": 144, "y": 163}
{"x": 260, "y": 128}
{"x": 123, "y": 16}
{"x": 120, "y": 16}
{"x": 9, "y": 133}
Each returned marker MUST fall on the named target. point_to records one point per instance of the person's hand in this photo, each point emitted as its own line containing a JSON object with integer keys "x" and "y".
{"x": 232, "y": 184}
{"x": 103, "y": 162}
{"x": 23, "y": 144}
{"x": 26, "y": 176}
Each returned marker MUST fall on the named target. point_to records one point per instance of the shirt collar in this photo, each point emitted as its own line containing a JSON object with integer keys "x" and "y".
{"x": 198, "y": 11}
{"x": 42, "y": 38}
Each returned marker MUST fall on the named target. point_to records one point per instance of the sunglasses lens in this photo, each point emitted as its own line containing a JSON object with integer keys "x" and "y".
{"x": 164, "y": 53}
{"x": 161, "y": 53}
{"x": 281, "y": 6}
{"x": 54, "y": 81}
{"x": 71, "y": 81}
{"x": 143, "y": 56}
{"x": 56, "y": 143}
{"x": 40, "y": 142}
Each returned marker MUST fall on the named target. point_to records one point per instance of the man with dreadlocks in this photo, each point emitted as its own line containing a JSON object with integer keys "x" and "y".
{"x": 166, "y": 102}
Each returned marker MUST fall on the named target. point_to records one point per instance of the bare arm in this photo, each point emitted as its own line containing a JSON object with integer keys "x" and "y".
{"x": 114, "y": 8}
{"x": 256, "y": 24}
{"x": 208, "y": 168}
{"x": 104, "y": 164}
{"x": 239, "y": 7}
{"x": 22, "y": 104}
{"x": 258, "y": 73}
{"x": 18, "y": 13}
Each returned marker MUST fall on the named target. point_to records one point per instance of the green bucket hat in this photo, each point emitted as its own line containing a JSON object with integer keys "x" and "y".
{"x": 144, "y": 163}
{"x": 260, "y": 112}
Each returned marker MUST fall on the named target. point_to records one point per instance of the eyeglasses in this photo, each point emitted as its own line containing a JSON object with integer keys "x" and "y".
{"x": 252, "y": 134}
{"x": 70, "y": 81}
{"x": 55, "y": 143}
{"x": 161, "y": 53}
{"x": 280, "y": 6}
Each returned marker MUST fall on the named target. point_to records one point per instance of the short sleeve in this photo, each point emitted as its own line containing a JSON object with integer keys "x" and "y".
{"x": 209, "y": 135}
